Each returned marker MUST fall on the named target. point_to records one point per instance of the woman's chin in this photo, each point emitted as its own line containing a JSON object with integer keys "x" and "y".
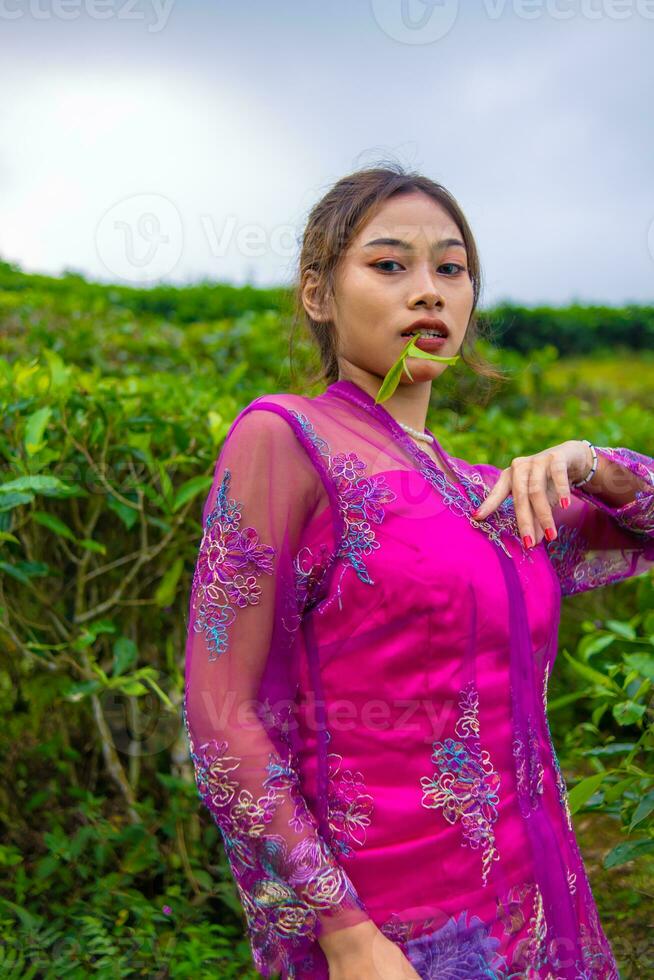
{"x": 421, "y": 370}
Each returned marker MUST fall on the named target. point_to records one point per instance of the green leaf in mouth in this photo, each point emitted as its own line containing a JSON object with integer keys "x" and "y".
{"x": 392, "y": 379}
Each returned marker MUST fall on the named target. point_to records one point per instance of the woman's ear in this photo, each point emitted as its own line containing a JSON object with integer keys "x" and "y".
{"x": 313, "y": 301}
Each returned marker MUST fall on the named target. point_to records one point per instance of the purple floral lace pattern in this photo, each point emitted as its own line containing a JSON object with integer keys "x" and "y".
{"x": 466, "y": 946}
{"x": 230, "y": 561}
{"x": 529, "y": 769}
{"x": 581, "y": 564}
{"x": 282, "y": 889}
{"x": 350, "y": 807}
{"x": 466, "y": 784}
{"x": 361, "y": 500}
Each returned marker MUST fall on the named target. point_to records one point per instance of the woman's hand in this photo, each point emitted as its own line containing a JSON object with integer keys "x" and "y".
{"x": 363, "y": 952}
{"x": 536, "y": 483}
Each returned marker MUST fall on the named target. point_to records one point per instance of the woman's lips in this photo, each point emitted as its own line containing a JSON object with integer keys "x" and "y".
{"x": 429, "y": 344}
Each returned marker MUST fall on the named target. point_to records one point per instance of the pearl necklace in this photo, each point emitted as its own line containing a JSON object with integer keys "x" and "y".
{"x": 417, "y": 435}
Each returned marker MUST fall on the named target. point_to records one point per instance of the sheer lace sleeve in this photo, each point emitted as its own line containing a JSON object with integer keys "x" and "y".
{"x": 596, "y": 543}
{"x": 240, "y": 685}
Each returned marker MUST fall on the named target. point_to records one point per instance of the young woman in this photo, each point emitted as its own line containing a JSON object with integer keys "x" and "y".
{"x": 372, "y": 627}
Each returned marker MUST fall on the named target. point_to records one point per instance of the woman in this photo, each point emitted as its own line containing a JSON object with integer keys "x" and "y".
{"x": 372, "y": 626}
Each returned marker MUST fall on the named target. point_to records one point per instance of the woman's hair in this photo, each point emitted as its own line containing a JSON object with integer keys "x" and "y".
{"x": 332, "y": 225}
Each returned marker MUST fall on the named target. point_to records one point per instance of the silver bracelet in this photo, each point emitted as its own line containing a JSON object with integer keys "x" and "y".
{"x": 593, "y": 469}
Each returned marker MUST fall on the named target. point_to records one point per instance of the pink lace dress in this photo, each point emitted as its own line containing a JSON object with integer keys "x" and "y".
{"x": 366, "y": 691}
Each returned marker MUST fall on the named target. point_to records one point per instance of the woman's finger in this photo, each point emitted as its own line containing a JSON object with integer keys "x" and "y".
{"x": 501, "y": 490}
{"x": 520, "y": 469}
{"x": 537, "y": 487}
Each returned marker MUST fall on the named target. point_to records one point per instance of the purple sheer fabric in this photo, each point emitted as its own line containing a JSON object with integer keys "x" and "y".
{"x": 366, "y": 692}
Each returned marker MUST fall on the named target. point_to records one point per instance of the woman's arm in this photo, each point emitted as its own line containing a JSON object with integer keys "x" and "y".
{"x": 607, "y": 532}
{"x": 240, "y": 686}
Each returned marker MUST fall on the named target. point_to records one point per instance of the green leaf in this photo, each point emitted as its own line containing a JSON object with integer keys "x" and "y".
{"x": 642, "y": 662}
{"x": 590, "y": 674}
{"x": 128, "y": 515}
{"x": 621, "y": 629}
{"x": 583, "y": 791}
{"x": 628, "y": 851}
{"x": 125, "y": 655}
{"x": 6, "y": 536}
{"x": 614, "y": 792}
{"x": 10, "y": 500}
{"x": 53, "y": 524}
{"x": 628, "y": 712}
{"x": 81, "y": 689}
{"x": 34, "y": 428}
{"x": 92, "y": 545}
{"x": 391, "y": 381}
{"x": 644, "y": 808}
{"x": 190, "y": 489}
{"x": 394, "y": 373}
{"x": 165, "y": 593}
{"x": 37, "y": 484}
{"x": 133, "y": 687}
{"x": 594, "y": 644}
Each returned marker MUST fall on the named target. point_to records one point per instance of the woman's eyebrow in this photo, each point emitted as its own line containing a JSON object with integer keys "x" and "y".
{"x": 408, "y": 247}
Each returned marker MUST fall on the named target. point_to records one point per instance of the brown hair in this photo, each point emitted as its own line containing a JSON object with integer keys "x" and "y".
{"x": 334, "y": 222}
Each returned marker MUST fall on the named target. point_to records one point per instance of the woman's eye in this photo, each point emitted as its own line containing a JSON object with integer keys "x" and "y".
{"x": 385, "y": 262}
{"x": 453, "y": 265}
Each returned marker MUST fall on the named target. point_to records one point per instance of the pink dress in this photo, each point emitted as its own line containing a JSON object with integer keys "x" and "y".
{"x": 366, "y": 691}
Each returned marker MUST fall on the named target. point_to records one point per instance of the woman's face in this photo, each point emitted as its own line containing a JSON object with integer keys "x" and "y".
{"x": 381, "y": 288}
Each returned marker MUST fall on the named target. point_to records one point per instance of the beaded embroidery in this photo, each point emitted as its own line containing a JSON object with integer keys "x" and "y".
{"x": 465, "y": 785}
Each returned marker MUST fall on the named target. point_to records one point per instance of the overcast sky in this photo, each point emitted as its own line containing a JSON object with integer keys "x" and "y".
{"x": 150, "y": 139}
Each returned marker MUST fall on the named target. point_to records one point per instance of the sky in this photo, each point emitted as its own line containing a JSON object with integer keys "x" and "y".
{"x": 181, "y": 140}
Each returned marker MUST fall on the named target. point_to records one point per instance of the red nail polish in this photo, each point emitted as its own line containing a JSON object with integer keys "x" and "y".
{"x": 550, "y": 533}
{"x": 565, "y": 502}
{"x": 527, "y": 541}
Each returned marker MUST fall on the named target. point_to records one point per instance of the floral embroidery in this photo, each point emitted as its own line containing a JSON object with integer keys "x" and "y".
{"x": 230, "y": 560}
{"x": 529, "y": 770}
{"x": 560, "y": 781}
{"x": 460, "y": 948}
{"x": 638, "y": 515}
{"x": 466, "y": 947}
{"x": 580, "y": 568}
{"x": 281, "y": 889}
{"x": 466, "y": 784}
{"x": 572, "y": 878}
{"x": 462, "y": 504}
{"x": 350, "y": 807}
{"x": 361, "y": 500}
{"x": 310, "y": 571}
